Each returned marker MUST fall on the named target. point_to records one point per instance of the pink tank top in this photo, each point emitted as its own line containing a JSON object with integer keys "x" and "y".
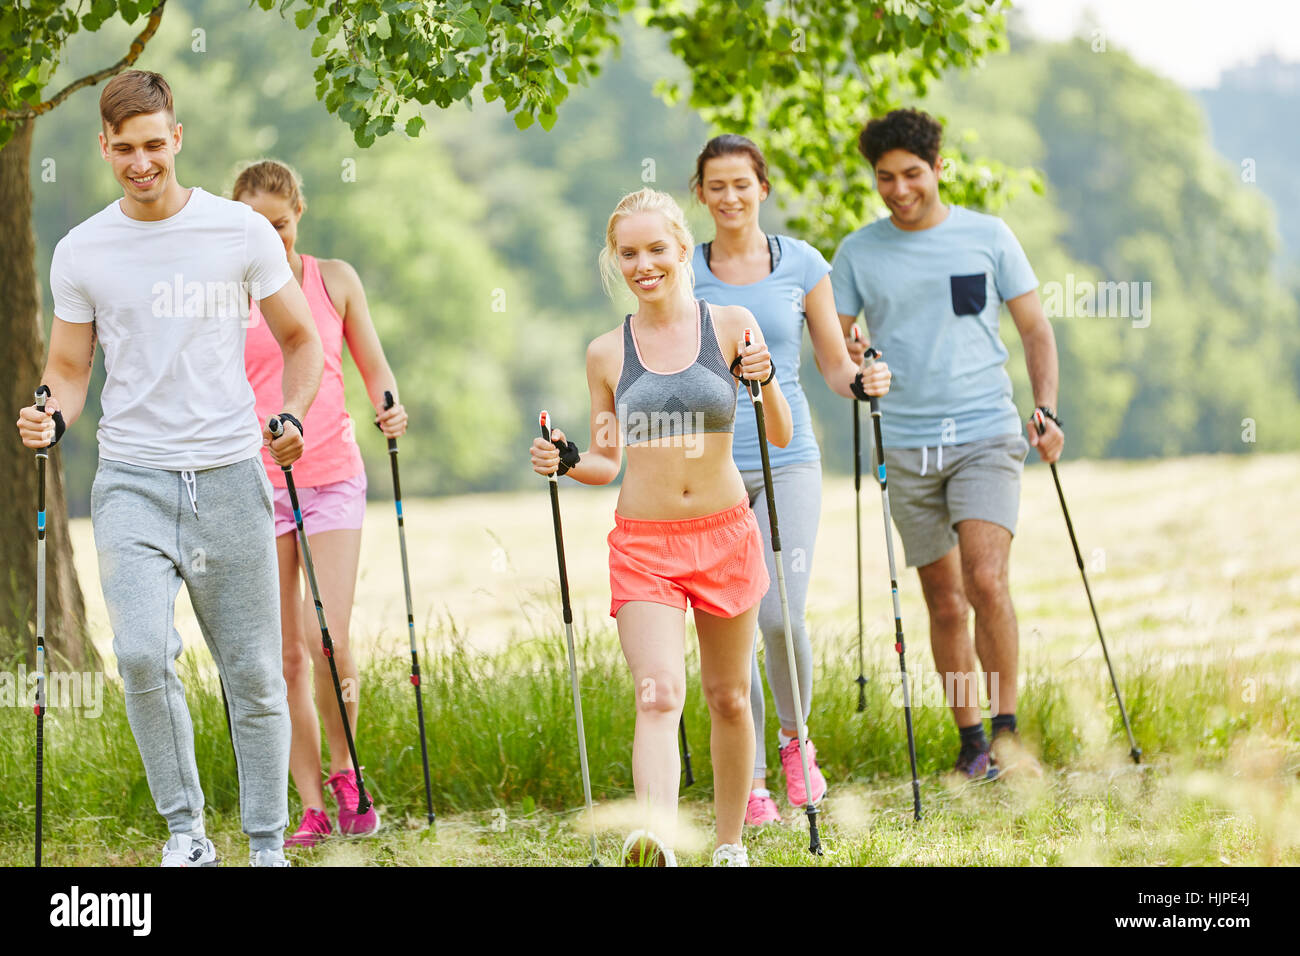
{"x": 330, "y": 453}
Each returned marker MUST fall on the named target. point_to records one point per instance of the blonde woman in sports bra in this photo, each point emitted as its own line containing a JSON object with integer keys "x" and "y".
{"x": 684, "y": 533}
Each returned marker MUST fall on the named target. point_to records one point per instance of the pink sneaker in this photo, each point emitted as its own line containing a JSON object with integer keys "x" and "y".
{"x": 351, "y": 823}
{"x": 313, "y": 830}
{"x": 761, "y": 810}
{"x": 794, "y": 788}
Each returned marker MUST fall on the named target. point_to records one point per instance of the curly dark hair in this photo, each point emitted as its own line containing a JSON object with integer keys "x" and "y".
{"x": 912, "y": 130}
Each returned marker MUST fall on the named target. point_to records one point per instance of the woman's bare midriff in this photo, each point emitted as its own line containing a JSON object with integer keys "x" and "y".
{"x": 680, "y": 478}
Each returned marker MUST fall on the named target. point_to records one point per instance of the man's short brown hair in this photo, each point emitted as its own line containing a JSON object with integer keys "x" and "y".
{"x": 133, "y": 93}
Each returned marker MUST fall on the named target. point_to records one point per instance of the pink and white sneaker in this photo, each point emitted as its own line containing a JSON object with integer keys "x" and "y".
{"x": 314, "y": 829}
{"x": 761, "y": 810}
{"x": 346, "y": 794}
{"x": 794, "y": 788}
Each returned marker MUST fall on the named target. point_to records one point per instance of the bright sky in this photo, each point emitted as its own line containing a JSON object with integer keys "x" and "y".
{"x": 1190, "y": 41}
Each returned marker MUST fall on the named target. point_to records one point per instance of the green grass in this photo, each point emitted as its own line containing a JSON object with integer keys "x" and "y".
{"x": 1219, "y": 783}
{"x": 1197, "y": 584}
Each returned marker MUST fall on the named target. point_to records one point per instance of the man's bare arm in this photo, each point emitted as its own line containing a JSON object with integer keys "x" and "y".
{"x": 288, "y": 316}
{"x": 67, "y": 374}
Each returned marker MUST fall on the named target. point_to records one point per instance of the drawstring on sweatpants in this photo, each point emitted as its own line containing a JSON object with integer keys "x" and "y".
{"x": 925, "y": 455}
{"x": 191, "y": 485}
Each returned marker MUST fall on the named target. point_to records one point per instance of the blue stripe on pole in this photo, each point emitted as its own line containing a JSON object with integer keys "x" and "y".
{"x": 399, "y": 508}
{"x": 881, "y": 472}
{"x": 297, "y": 516}
{"x": 40, "y": 521}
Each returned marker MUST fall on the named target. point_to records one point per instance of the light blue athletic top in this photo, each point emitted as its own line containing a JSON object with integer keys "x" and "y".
{"x": 777, "y": 303}
{"x": 931, "y": 300}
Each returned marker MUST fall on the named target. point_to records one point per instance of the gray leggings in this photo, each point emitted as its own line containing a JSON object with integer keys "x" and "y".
{"x": 213, "y": 530}
{"x": 798, "y": 492}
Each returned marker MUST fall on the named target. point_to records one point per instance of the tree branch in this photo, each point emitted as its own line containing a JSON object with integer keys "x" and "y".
{"x": 132, "y": 54}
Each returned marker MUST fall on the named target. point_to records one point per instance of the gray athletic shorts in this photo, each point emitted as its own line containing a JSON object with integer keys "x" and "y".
{"x": 931, "y": 489}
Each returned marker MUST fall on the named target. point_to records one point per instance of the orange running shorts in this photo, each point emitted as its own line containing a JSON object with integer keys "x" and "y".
{"x": 714, "y": 561}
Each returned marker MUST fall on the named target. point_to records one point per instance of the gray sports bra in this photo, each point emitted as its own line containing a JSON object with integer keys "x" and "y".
{"x": 656, "y": 405}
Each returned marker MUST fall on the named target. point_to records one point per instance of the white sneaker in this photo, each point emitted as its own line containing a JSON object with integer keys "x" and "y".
{"x": 731, "y": 854}
{"x": 643, "y": 848}
{"x": 183, "y": 850}
{"x": 267, "y": 858}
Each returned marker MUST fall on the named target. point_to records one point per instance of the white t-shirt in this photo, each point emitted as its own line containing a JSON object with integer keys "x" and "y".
{"x": 170, "y": 302}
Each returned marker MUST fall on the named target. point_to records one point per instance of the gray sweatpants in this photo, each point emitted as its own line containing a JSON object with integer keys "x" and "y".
{"x": 798, "y": 492}
{"x": 212, "y": 529}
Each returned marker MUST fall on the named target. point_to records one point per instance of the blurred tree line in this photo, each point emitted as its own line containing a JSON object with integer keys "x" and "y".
{"x": 477, "y": 242}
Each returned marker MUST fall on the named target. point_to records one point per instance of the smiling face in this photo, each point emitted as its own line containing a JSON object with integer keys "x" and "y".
{"x": 731, "y": 189}
{"x": 652, "y": 261}
{"x": 281, "y": 213}
{"x": 143, "y": 154}
{"x": 910, "y": 188}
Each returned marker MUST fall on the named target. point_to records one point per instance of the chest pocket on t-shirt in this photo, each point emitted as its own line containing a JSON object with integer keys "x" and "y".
{"x": 969, "y": 294}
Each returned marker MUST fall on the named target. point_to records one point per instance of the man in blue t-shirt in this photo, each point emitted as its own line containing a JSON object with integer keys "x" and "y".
{"x": 930, "y": 280}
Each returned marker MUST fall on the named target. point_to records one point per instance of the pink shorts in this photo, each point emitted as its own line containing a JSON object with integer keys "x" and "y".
{"x": 715, "y": 561}
{"x": 337, "y": 506}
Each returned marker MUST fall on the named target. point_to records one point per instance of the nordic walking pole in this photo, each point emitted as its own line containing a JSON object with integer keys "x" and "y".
{"x": 756, "y": 393}
{"x": 410, "y": 615}
{"x": 686, "y": 750}
{"x": 276, "y": 428}
{"x": 553, "y": 479}
{"x": 1134, "y": 750}
{"x": 857, "y": 503}
{"x": 42, "y": 455}
{"x": 893, "y": 587}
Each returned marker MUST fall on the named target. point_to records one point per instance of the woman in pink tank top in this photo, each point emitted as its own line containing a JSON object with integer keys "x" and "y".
{"x": 331, "y": 484}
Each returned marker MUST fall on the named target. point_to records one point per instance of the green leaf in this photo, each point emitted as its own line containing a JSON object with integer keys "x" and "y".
{"x": 304, "y": 17}
{"x": 546, "y": 118}
{"x": 414, "y": 125}
{"x": 318, "y": 46}
{"x": 523, "y": 119}
{"x": 384, "y": 27}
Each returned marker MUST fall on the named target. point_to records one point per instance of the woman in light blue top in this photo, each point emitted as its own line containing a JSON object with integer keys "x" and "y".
{"x": 785, "y": 282}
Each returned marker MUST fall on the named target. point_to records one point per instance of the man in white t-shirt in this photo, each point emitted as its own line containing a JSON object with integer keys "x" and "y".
{"x": 163, "y": 279}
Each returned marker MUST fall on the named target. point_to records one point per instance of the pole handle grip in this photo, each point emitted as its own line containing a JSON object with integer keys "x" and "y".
{"x": 754, "y": 390}
{"x": 388, "y": 403}
{"x": 1038, "y": 419}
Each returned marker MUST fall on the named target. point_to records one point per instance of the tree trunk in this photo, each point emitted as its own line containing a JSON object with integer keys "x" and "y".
{"x": 22, "y": 347}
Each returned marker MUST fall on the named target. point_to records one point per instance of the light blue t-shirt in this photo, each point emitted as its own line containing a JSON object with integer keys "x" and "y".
{"x": 931, "y": 300}
{"x": 777, "y": 303}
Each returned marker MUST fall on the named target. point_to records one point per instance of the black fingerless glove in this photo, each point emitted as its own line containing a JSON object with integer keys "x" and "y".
{"x": 568, "y": 456}
{"x": 858, "y": 389}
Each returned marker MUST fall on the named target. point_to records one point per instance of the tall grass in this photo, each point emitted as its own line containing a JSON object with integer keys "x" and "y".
{"x": 501, "y": 734}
